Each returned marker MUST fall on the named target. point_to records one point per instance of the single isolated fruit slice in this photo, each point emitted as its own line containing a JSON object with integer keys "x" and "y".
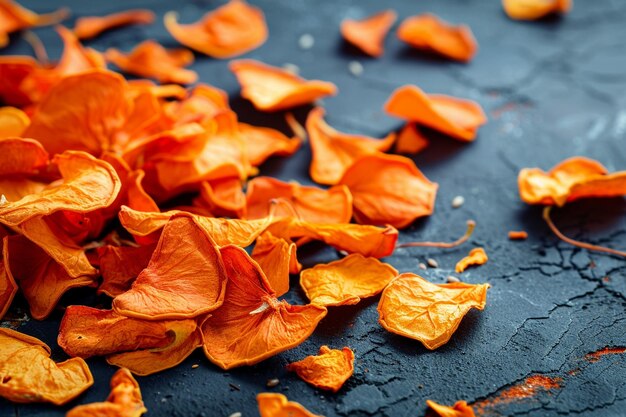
{"x": 277, "y": 405}
{"x": 329, "y": 370}
{"x": 369, "y": 34}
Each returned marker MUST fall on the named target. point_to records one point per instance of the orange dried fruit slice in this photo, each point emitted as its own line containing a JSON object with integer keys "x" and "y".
{"x": 535, "y": 9}
{"x": 477, "y": 256}
{"x": 369, "y": 34}
{"x": 91, "y": 26}
{"x": 329, "y": 370}
{"x": 277, "y": 405}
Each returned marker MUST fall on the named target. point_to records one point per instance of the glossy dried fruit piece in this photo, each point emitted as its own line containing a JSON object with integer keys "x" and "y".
{"x": 271, "y": 88}
{"x": 277, "y": 405}
{"x": 8, "y": 287}
{"x": 123, "y": 401}
{"x": 29, "y": 375}
{"x": 223, "y": 197}
{"x": 334, "y": 152}
{"x": 252, "y": 325}
{"x": 329, "y": 370}
{"x": 477, "y": 256}
{"x": 137, "y": 197}
{"x": 459, "y": 409}
{"x": 570, "y": 180}
{"x": 13, "y": 122}
{"x": 264, "y": 142}
{"x": 42, "y": 281}
{"x": 21, "y": 157}
{"x": 230, "y": 30}
{"x": 223, "y": 231}
{"x": 87, "y": 332}
{"x": 88, "y": 184}
{"x": 413, "y": 307}
{"x": 373, "y": 241}
{"x": 91, "y": 26}
{"x": 455, "y": 117}
{"x": 184, "y": 279}
{"x": 277, "y": 259}
{"x": 149, "y": 59}
{"x": 411, "y": 140}
{"x": 186, "y": 337}
{"x": 535, "y": 9}
{"x": 346, "y": 281}
{"x": 369, "y": 34}
{"x": 429, "y": 33}
{"x": 14, "y": 17}
{"x": 389, "y": 189}
{"x": 313, "y": 204}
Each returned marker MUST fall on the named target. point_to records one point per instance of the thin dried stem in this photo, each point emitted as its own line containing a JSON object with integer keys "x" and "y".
{"x": 38, "y": 48}
{"x": 471, "y": 225}
{"x": 295, "y": 126}
{"x": 584, "y": 245}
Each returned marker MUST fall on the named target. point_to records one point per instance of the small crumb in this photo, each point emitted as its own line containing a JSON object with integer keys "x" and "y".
{"x": 306, "y": 41}
{"x": 237, "y": 414}
{"x": 518, "y": 235}
{"x": 432, "y": 263}
{"x": 458, "y": 201}
{"x": 355, "y": 68}
{"x": 194, "y": 366}
{"x": 422, "y": 265}
{"x": 291, "y": 68}
{"x": 343, "y": 253}
{"x": 451, "y": 279}
{"x": 271, "y": 383}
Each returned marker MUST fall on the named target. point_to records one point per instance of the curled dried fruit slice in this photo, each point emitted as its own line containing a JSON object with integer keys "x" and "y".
{"x": 329, "y": 370}
{"x": 14, "y": 17}
{"x": 317, "y": 205}
{"x": 91, "y": 26}
{"x": 252, "y": 325}
{"x": 123, "y": 401}
{"x": 227, "y": 31}
{"x": 535, "y": 9}
{"x": 29, "y": 375}
{"x": 428, "y": 32}
{"x": 277, "y": 405}
{"x": 88, "y": 184}
{"x": 13, "y": 122}
{"x": 277, "y": 258}
{"x": 477, "y": 256}
{"x": 263, "y": 142}
{"x": 413, "y": 307}
{"x": 21, "y": 157}
{"x": 369, "y": 34}
{"x": 389, "y": 189}
{"x": 346, "y": 281}
{"x": 8, "y": 287}
{"x": 149, "y": 59}
{"x": 455, "y": 117}
{"x": 570, "y": 180}
{"x": 459, "y": 409}
{"x": 184, "y": 279}
{"x": 334, "y": 152}
{"x": 223, "y": 197}
{"x": 271, "y": 88}
{"x": 411, "y": 140}
{"x": 87, "y": 332}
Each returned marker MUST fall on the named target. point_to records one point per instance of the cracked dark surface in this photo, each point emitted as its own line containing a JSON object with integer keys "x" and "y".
{"x": 552, "y": 89}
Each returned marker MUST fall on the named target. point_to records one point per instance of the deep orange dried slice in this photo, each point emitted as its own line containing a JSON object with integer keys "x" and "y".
{"x": 149, "y": 59}
{"x": 277, "y": 258}
{"x": 271, "y": 88}
{"x": 518, "y": 235}
{"x": 263, "y": 142}
{"x": 369, "y": 34}
{"x": 389, "y": 189}
{"x": 123, "y": 401}
{"x": 411, "y": 140}
{"x": 413, "y": 307}
{"x": 184, "y": 279}
{"x": 29, "y": 375}
{"x": 334, "y": 152}
{"x": 14, "y": 17}
{"x": 252, "y": 325}
{"x": 429, "y": 33}
{"x": 535, "y": 9}
{"x": 223, "y": 197}
{"x": 346, "y": 281}
{"x": 574, "y": 178}
{"x": 8, "y": 287}
{"x": 229, "y": 30}
{"x": 13, "y": 122}
{"x": 455, "y": 117}
{"x": 20, "y": 157}
{"x": 459, "y": 409}
{"x": 329, "y": 370}
{"x": 477, "y": 256}
{"x": 277, "y": 405}
{"x": 313, "y": 204}
{"x": 91, "y": 26}
{"x": 120, "y": 265}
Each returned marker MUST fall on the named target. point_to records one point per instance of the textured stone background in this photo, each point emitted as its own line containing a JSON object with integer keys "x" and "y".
{"x": 552, "y": 89}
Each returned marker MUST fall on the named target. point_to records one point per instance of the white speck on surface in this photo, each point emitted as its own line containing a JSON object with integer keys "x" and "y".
{"x": 620, "y": 124}
{"x": 291, "y": 68}
{"x": 451, "y": 279}
{"x": 272, "y": 382}
{"x": 458, "y": 201}
{"x": 422, "y": 266}
{"x": 355, "y": 68}
{"x": 432, "y": 263}
{"x": 306, "y": 41}
{"x": 237, "y": 414}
